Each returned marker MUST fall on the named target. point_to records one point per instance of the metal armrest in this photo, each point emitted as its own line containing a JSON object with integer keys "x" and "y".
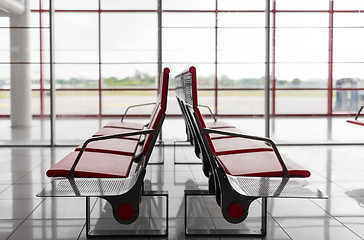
{"x": 94, "y": 139}
{"x": 358, "y": 114}
{"x": 212, "y": 115}
{"x": 132, "y": 106}
{"x": 284, "y": 167}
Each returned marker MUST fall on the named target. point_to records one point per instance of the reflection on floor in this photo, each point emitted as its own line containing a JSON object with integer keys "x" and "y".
{"x": 336, "y": 170}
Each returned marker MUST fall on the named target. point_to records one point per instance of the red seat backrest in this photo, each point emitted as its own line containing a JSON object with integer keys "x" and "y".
{"x": 159, "y": 109}
{"x": 190, "y": 87}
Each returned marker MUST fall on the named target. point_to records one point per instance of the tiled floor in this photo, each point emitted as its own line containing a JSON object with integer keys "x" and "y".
{"x": 336, "y": 170}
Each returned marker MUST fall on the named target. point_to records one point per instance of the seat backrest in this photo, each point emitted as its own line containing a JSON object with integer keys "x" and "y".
{"x": 158, "y": 115}
{"x": 162, "y": 94}
{"x": 190, "y": 97}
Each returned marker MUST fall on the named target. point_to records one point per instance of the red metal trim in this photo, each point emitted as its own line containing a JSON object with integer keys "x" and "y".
{"x": 274, "y": 60}
{"x": 331, "y": 34}
{"x": 92, "y": 11}
{"x": 216, "y": 82}
{"x": 41, "y": 60}
{"x": 202, "y": 11}
{"x": 213, "y": 11}
{"x": 99, "y": 52}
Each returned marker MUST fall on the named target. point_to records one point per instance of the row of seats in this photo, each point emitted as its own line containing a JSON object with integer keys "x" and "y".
{"x": 121, "y": 150}
{"x": 235, "y": 163}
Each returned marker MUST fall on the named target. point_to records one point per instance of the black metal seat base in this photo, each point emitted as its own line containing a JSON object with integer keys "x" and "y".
{"x": 251, "y": 232}
{"x": 129, "y": 232}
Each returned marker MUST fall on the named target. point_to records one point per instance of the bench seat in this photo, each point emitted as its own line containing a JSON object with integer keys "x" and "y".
{"x": 93, "y": 165}
{"x": 218, "y": 124}
{"x": 259, "y": 164}
{"x": 228, "y": 129}
{"x": 112, "y": 146}
{"x": 125, "y": 125}
{"x": 111, "y": 131}
{"x": 238, "y": 145}
{"x": 356, "y": 122}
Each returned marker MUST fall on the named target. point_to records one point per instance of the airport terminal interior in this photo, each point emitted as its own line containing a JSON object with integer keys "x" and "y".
{"x": 283, "y": 78}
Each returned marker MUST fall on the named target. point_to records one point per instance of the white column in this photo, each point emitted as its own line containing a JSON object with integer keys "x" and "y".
{"x": 20, "y": 84}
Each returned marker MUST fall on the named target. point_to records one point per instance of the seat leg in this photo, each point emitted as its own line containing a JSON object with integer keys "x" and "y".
{"x": 251, "y": 232}
{"x": 129, "y": 232}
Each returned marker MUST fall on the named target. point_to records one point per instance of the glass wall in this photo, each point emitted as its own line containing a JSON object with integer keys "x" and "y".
{"x": 107, "y": 56}
{"x": 24, "y": 74}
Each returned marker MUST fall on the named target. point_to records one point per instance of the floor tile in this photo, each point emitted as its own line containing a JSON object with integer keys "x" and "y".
{"x": 55, "y": 229}
{"x": 7, "y": 227}
{"x": 316, "y": 229}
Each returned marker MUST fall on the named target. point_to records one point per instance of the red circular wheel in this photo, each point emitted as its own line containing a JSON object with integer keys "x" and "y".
{"x": 126, "y": 211}
{"x": 235, "y": 211}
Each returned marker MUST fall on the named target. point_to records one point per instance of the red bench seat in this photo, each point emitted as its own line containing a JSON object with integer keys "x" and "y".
{"x": 259, "y": 164}
{"x": 113, "y": 146}
{"x": 228, "y": 129}
{"x": 93, "y": 165}
{"x": 218, "y": 124}
{"x": 238, "y": 145}
{"x": 125, "y": 125}
{"x": 111, "y": 131}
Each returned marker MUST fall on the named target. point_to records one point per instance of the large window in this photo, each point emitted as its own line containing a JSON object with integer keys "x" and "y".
{"x": 108, "y": 54}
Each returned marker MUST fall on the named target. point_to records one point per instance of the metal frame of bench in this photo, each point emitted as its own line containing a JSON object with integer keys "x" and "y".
{"x": 124, "y": 194}
{"x": 235, "y": 192}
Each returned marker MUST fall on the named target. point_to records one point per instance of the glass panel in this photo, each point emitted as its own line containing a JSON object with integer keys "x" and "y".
{"x": 205, "y": 73}
{"x": 302, "y": 5}
{"x": 4, "y": 22}
{"x": 193, "y": 45}
{"x": 129, "y": 37}
{"x": 347, "y": 100}
{"x": 188, "y": 4}
{"x": 301, "y": 45}
{"x": 188, "y": 20}
{"x": 241, "y": 102}
{"x": 348, "y": 45}
{"x": 314, "y": 20}
{"x": 4, "y": 76}
{"x": 348, "y": 20}
{"x": 349, "y": 70}
{"x": 4, "y": 103}
{"x": 75, "y": 130}
{"x": 129, "y": 75}
{"x": 348, "y": 5}
{"x": 241, "y": 5}
{"x": 76, "y": 37}
{"x": 232, "y": 19}
{"x": 35, "y": 19}
{"x": 77, "y": 102}
{"x": 76, "y": 76}
{"x": 241, "y": 45}
{"x": 35, "y": 71}
{"x": 206, "y": 98}
{"x": 76, "y": 5}
{"x": 129, "y": 4}
{"x": 241, "y": 75}
{"x": 301, "y": 75}
{"x": 116, "y": 102}
{"x": 301, "y": 102}
{"x": 36, "y": 102}
{"x": 4, "y": 45}
{"x": 300, "y": 130}
{"x": 45, "y": 46}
